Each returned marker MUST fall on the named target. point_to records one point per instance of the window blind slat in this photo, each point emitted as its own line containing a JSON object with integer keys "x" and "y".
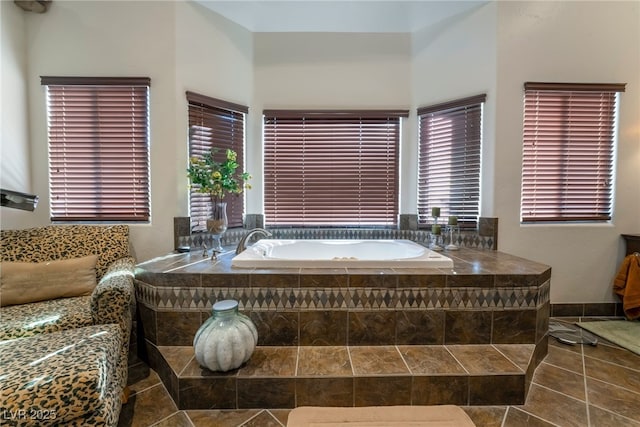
{"x": 98, "y": 148}
{"x": 567, "y": 166}
{"x": 331, "y": 168}
{"x": 215, "y": 123}
{"x": 449, "y": 160}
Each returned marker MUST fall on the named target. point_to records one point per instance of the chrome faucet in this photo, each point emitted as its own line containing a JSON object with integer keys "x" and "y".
{"x": 242, "y": 245}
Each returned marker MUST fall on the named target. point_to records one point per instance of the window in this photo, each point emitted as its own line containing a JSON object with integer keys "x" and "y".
{"x": 450, "y": 136}
{"x": 98, "y": 130}
{"x": 331, "y": 168}
{"x": 214, "y": 123}
{"x": 568, "y": 140}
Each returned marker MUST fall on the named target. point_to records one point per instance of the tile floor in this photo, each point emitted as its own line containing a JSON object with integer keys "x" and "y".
{"x": 581, "y": 386}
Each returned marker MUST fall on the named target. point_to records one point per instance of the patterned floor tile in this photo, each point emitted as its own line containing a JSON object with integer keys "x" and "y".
{"x": 556, "y": 407}
{"x": 486, "y": 416}
{"x": 616, "y": 399}
{"x": 147, "y": 408}
{"x": 226, "y": 418}
{"x": 561, "y": 380}
{"x": 178, "y": 419}
{"x": 518, "y": 418}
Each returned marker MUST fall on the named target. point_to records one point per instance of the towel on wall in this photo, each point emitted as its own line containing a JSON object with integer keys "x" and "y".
{"x": 627, "y": 285}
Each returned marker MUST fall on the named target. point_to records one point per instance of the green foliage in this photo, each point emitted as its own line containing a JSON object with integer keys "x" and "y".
{"x": 217, "y": 178}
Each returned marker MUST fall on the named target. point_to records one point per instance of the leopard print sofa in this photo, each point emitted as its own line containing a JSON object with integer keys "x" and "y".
{"x": 110, "y": 303}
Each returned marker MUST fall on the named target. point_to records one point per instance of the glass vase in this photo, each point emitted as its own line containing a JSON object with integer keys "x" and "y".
{"x": 453, "y": 232}
{"x": 225, "y": 340}
{"x": 436, "y": 241}
{"x": 217, "y": 223}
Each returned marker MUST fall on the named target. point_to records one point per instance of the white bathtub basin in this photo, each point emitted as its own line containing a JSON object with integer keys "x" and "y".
{"x": 274, "y": 253}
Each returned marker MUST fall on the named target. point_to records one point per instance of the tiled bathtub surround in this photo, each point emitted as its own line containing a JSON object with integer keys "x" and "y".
{"x": 490, "y": 308}
{"x": 488, "y": 297}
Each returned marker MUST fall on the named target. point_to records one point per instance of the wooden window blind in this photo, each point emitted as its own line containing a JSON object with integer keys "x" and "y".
{"x": 568, "y": 143}
{"x": 214, "y": 123}
{"x": 450, "y": 136}
{"x": 98, "y": 131}
{"x": 331, "y": 168}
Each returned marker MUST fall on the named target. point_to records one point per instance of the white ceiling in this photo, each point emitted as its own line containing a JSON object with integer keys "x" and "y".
{"x": 361, "y": 16}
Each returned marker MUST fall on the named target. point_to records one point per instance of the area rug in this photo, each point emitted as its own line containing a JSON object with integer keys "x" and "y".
{"x": 625, "y": 333}
{"x": 380, "y": 416}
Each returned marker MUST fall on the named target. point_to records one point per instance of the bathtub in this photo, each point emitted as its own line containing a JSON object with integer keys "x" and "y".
{"x": 275, "y": 253}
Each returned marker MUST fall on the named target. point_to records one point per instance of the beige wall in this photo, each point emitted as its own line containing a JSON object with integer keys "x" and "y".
{"x": 110, "y": 39}
{"x": 15, "y": 171}
{"x": 326, "y": 70}
{"x": 213, "y": 57}
{"x": 175, "y": 44}
{"x": 550, "y": 41}
{"x": 454, "y": 60}
{"x": 183, "y": 47}
{"x": 496, "y": 48}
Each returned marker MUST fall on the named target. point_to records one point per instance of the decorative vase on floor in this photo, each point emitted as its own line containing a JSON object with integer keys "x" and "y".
{"x": 217, "y": 224}
{"x": 225, "y": 340}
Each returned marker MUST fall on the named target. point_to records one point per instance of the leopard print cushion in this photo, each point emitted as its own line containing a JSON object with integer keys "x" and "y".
{"x": 62, "y": 378}
{"x": 54, "y": 242}
{"x": 26, "y": 320}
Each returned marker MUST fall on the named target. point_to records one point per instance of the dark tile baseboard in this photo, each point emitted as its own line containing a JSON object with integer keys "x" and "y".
{"x": 587, "y": 309}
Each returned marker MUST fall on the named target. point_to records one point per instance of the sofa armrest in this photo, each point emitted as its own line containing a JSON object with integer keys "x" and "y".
{"x": 112, "y": 302}
{"x": 112, "y": 299}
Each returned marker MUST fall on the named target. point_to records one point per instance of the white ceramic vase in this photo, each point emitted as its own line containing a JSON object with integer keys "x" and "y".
{"x": 225, "y": 340}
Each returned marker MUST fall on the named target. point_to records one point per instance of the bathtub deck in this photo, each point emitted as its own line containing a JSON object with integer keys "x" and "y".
{"x": 288, "y": 377}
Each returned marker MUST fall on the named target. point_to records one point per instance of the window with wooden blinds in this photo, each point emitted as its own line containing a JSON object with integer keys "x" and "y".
{"x": 568, "y": 147}
{"x": 331, "y": 168}
{"x": 450, "y": 136}
{"x": 214, "y": 123}
{"x": 98, "y": 131}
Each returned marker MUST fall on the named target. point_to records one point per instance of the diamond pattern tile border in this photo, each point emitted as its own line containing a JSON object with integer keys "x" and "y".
{"x": 271, "y": 299}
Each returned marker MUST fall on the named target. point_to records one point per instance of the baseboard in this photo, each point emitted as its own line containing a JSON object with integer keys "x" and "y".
{"x": 586, "y": 309}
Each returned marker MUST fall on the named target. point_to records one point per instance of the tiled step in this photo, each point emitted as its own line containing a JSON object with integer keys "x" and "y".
{"x": 287, "y": 377}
